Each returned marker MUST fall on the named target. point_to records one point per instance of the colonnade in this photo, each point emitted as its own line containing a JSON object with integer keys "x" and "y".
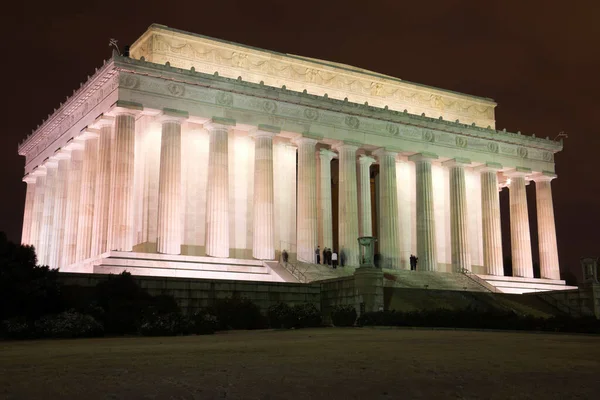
{"x": 80, "y": 203}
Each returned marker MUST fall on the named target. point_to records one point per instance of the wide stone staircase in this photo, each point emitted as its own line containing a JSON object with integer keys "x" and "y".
{"x": 307, "y": 272}
{"x": 434, "y": 280}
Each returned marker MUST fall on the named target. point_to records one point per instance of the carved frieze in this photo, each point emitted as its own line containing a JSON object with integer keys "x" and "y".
{"x": 183, "y": 50}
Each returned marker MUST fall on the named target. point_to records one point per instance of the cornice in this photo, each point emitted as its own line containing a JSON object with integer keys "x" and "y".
{"x": 63, "y": 117}
{"x": 126, "y": 73}
{"x": 396, "y": 120}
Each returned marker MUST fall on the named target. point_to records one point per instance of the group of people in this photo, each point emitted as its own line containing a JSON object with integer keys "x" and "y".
{"x": 330, "y": 257}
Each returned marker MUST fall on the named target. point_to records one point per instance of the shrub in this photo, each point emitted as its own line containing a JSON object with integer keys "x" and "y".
{"x": 203, "y": 323}
{"x": 471, "y": 318}
{"x": 236, "y": 313}
{"x": 124, "y": 302}
{"x": 165, "y": 324}
{"x": 68, "y": 324}
{"x": 17, "y": 328}
{"x": 281, "y": 316}
{"x": 307, "y": 315}
{"x": 343, "y": 315}
{"x": 26, "y": 289}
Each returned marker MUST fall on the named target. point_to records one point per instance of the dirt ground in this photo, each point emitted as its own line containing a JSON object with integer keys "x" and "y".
{"x": 328, "y": 363}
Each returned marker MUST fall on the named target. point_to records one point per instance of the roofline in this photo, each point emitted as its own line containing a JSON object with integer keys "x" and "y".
{"x": 330, "y": 64}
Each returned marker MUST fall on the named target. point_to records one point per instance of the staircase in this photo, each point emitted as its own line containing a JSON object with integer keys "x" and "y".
{"x": 433, "y": 280}
{"x": 306, "y": 272}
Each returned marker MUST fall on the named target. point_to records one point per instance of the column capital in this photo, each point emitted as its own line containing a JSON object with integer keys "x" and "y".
{"x": 327, "y": 154}
{"x": 29, "y": 178}
{"x": 102, "y": 121}
{"x": 74, "y": 144}
{"x": 489, "y": 167}
{"x": 519, "y": 172}
{"x": 172, "y": 115}
{"x": 61, "y": 154}
{"x": 40, "y": 170}
{"x": 88, "y": 133}
{"x": 457, "y": 162}
{"x": 424, "y": 156}
{"x": 544, "y": 176}
{"x": 304, "y": 140}
{"x": 121, "y": 107}
{"x": 219, "y": 123}
{"x": 364, "y": 159}
{"x": 346, "y": 144}
{"x": 386, "y": 151}
{"x": 264, "y": 131}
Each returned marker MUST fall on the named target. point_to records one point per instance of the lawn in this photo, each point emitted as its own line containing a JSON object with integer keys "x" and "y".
{"x": 312, "y": 363}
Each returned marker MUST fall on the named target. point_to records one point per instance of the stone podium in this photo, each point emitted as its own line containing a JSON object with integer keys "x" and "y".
{"x": 368, "y": 280}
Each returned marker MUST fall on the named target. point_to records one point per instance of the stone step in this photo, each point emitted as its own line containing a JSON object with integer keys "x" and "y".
{"x": 183, "y": 265}
{"x": 106, "y": 268}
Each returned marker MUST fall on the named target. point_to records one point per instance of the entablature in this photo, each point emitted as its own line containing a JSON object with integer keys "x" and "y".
{"x": 158, "y": 87}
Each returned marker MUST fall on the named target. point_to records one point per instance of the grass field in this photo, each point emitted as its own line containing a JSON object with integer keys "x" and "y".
{"x": 307, "y": 364}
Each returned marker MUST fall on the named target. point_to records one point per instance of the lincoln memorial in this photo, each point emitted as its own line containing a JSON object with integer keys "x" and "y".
{"x": 195, "y": 157}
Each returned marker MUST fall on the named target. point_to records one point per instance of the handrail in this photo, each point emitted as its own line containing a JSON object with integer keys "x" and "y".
{"x": 556, "y": 303}
{"x": 295, "y": 271}
{"x": 479, "y": 281}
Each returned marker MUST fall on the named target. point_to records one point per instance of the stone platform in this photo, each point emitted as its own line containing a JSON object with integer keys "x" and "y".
{"x": 517, "y": 285}
{"x": 180, "y": 266}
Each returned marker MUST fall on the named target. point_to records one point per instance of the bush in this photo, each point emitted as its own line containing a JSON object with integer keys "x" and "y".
{"x": 203, "y": 323}
{"x": 307, "y": 315}
{"x": 17, "y": 328}
{"x": 281, "y": 316}
{"x": 26, "y": 289}
{"x": 236, "y": 313}
{"x": 125, "y": 304}
{"x": 68, "y": 324}
{"x": 165, "y": 324}
{"x": 343, "y": 315}
{"x": 470, "y": 318}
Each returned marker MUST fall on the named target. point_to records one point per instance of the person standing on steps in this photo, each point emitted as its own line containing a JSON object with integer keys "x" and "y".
{"x": 334, "y": 260}
{"x": 413, "y": 262}
{"x": 318, "y": 254}
{"x": 285, "y": 256}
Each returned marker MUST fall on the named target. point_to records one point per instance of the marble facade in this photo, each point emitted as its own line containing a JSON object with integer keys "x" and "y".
{"x": 198, "y": 147}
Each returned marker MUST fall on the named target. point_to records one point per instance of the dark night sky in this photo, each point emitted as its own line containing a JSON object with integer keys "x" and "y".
{"x": 537, "y": 60}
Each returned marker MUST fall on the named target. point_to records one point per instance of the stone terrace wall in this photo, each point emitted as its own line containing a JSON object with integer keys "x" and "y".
{"x": 193, "y": 294}
{"x": 337, "y": 292}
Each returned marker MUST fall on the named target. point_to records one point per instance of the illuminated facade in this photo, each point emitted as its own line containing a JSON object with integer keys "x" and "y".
{"x": 202, "y": 158}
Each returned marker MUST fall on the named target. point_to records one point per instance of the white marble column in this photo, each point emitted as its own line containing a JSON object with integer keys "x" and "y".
{"x": 27, "y": 212}
{"x": 307, "y": 234}
{"x": 490, "y": 215}
{"x": 72, "y": 235}
{"x": 120, "y": 228}
{"x": 325, "y": 210}
{"x": 459, "y": 228}
{"x": 37, "y": 212}
{"x": 88, "y": 187}
{"x": 365, "y": 222}
{"x": 426, "y": 243}
{"x": 103, "y": 186}
{"x": 348, "y": 205}
{"x": 169, "y": 184}
{"x": 389, "y": 240}
{"x": 520, "y": 238}
{"x": 263, "y": 245}
{"x": 549, "y": 267}
{"x": 217, "y": 204}
{"x": 56, "y": 249}
{"x": 47, "y": 231}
